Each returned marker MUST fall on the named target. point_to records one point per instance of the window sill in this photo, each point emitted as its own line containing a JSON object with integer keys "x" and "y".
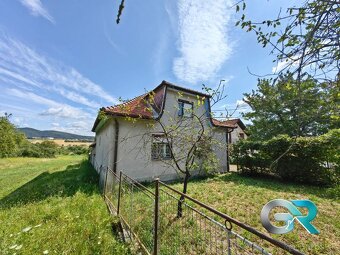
{"x": 160, "y": 159}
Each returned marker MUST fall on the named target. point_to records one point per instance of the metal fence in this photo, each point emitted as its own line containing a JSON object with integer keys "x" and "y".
{"x": 166, "y": 221}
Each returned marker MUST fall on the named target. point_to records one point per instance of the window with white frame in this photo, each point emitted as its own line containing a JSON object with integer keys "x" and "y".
{"x": 160, "y": 148}
{"x": 185, "y": 108}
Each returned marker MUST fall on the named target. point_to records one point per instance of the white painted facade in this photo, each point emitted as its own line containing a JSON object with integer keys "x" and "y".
{"x": 237, "y": 134}
{"x": 135, "y": 141}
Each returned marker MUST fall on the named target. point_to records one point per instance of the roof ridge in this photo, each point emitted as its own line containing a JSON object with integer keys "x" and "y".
{"x": 127, "y": 102}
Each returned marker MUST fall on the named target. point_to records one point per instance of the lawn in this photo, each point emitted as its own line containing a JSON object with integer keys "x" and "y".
{"x": 243, "y": 198}
{"x": 53, "y": 206}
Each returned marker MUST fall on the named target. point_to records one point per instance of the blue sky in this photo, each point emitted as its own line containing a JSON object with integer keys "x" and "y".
{"x": 62, "y": 60}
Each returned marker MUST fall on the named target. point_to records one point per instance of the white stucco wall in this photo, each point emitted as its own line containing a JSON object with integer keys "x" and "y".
{"x": 104, "y": 146}
{"x": 221, "y": 148}
{"x": 135, "y": 140}
{"x": 235, "y": 134}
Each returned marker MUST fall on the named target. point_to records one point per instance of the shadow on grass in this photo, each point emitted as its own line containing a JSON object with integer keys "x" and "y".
{"x": 279, "y": 186}
{"x": 265, "y": 182}
{"x": 79, "y": 177}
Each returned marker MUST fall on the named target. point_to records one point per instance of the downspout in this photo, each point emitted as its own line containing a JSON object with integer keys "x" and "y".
{"x": 227, "y": 140}
{"x": 115, "y": 151}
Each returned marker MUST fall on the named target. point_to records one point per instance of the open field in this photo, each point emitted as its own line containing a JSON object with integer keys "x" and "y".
{"x": 53, "y": 206}
{"x": 243, "y": 198}
{"x": 60, "y": 142}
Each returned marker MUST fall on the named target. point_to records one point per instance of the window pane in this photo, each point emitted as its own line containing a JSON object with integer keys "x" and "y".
{"x": 160, "y": 148}
{"x": 155, "y": 151}
{"x": 167, "y": 151}
{"x": 180, "y": 108}
{"x": 187, "y": 110}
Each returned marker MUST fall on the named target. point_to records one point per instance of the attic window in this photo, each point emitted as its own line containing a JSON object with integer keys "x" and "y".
{"x": 185, "y": 108}
{"x": 160, "y": 148}
{"x": 241, "y": 136}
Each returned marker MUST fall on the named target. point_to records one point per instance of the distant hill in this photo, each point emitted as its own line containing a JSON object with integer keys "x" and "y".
{"x": 33, "y": 133}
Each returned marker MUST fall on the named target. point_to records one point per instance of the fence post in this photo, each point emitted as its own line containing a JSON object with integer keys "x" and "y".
{"x": 104, "y": 190}
{"x": 156, "y": 219}
{"x": 119, "y": 191}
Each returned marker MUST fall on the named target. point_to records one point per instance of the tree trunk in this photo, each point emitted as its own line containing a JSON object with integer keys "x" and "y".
{"x": 181, "y": 200}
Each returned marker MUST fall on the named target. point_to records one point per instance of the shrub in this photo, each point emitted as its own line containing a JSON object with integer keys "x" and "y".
{"x": 48, "y": 149}
{"x": 74, "y": 150}
{"x": 312, "y": 160}
{"x": 45, "y": 149}
{"x": 30, "y": 150}
{"x": 10, "y": 138}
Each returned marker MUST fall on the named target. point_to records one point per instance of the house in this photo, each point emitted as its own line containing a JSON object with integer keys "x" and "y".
{"x": 238, "y": 133}
{"x": 130, "y": 137}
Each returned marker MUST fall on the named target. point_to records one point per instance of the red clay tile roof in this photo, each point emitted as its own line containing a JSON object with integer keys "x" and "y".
{"x": 222, "y": 123}
{"x": 142, "y": 107}
{"x": 236, "y": 122}
{"x": 135, "y": 108}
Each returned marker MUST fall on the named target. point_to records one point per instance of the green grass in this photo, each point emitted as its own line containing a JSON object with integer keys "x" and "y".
{"x": 53, "y": 206}
{"x": 240, "y": 197}
{"x": 243, "y": 198}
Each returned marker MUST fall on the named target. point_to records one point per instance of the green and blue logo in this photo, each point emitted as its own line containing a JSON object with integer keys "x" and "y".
{"x": 289, "y": 218}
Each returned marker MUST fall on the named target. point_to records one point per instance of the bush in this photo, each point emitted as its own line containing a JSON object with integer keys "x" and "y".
{"x": 10, "y": 139}
{"x": 49, "y": 149}
{"x": 30, "y": 150}
{"x": 312, "y": 160}
{"x": 45, "y": 149}
{"x": 75, "y": 150}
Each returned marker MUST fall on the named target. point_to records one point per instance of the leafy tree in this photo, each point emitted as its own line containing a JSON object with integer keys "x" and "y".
{"x": 191, "y": 146}
{"x": 305, "y": 38}
{"x": 48, "y": 149}
{"x": 310, "y": 109}
{"x": 312, "y": 160}
{"x": 191, "y": 142}
{"x": 10, "y": 138}
{"x": 182, "y": 138}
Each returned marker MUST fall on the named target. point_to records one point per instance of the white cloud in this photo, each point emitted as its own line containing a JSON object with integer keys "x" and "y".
{"x": 75, "y": 97}
{"x": 233, "y": 110}
{"x": 241, "y": 104}
{"x": 23, "y": 66}
{"x": 37, "y": 9}
{"x": 203, "y": 41}
{"x": 62, "y": 117}
{"x": 29, "y": 96}
{"x": 65, "y": 111}
{"x": 242, "y": 107}
{"x": 55, "y": 109}
{"x": 286, "y": 64}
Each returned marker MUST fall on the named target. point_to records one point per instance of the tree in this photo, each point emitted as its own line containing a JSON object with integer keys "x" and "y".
{"x": 48, "y": 149}
{"x": 310, "y": 109}
{"x": 181, "y": 136}
{"x": 305, "y": 39}
{"x": 10, "y": 138}
{"x": 190, "y": 146}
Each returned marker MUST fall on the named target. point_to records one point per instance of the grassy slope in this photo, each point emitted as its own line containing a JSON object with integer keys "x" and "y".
{"x": 243, "y": 198}
{"x": 53, "y": 205}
